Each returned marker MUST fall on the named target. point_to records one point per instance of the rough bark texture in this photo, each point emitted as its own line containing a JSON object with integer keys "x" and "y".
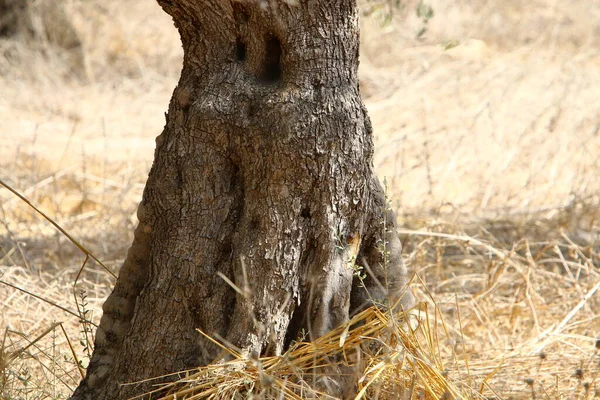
{"x": 263, "y": 174}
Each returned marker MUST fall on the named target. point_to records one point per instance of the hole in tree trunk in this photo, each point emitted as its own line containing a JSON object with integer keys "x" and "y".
{"x": 241, "y": 17}
{"x": 240, "y": 50}
{"x": 272, "y": 68}
{"x": 305, "y": 213}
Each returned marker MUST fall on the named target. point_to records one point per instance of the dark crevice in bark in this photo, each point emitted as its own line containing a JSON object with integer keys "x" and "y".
{"x": 240, "y": 50}
{"x": 226, "y": 250}
{"x": 271, "y": 72}
{"x": 305, "y": 213}
{"x": 295, "y": 327}
{"x": 241, "y": 17}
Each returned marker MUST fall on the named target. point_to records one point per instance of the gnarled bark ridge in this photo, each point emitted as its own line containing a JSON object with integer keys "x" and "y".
{"x": 263, "y": 174}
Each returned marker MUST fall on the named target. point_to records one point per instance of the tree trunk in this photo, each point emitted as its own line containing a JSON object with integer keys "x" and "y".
{"x": 263, "y": 174}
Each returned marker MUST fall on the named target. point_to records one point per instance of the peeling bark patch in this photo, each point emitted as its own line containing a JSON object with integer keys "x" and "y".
{"x": 271, "y": 72}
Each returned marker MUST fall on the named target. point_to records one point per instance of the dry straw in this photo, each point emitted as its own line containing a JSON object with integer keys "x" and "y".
{"x": 385, "y": 355}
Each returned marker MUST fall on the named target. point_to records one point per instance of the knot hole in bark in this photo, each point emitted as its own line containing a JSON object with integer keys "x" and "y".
{"x": 270, "y": 68}
{"x": 255, "y": 45}
{"x": 241, "y": 17}
{"x": 271, "y": 72}
{"x": 305, "y": 213}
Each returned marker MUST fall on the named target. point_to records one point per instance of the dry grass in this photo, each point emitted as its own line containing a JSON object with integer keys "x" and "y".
{"x": 387, "y": 357}
{"x": 489, "y": 149}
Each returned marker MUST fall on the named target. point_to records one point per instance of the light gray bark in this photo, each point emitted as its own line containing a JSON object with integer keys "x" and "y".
{"x": 263, "y": 173}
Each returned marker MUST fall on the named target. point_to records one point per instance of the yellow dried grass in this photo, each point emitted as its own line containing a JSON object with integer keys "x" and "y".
{"x": 400, "y": 365}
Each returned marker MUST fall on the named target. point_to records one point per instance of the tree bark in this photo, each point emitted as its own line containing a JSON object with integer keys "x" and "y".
{"x": 263, "y": 174}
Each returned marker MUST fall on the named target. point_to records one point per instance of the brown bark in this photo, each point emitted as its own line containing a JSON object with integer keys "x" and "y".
{"x": 263, "y": 174}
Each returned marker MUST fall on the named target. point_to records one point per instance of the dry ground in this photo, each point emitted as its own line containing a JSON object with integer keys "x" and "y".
{"x": 487, "y": 132}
